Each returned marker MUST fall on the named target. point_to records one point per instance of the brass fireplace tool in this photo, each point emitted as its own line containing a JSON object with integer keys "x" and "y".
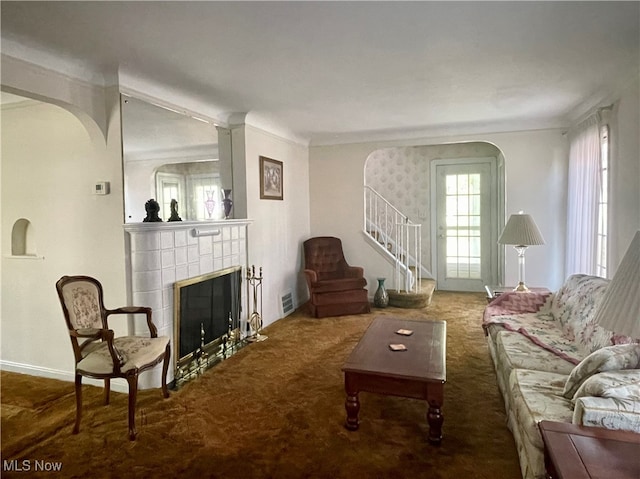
{"x": 202, "y": 357}
{"x": 255, "y": 319}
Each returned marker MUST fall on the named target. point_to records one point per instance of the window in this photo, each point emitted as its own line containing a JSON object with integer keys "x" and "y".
{"x": 587, "y": 208}
{"x": 207, "y": 196}
{"x": 603, "y": 200}
{"x": 169, "y": 187}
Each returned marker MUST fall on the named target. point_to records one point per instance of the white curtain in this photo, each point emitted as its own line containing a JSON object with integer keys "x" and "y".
{"x": 583, "y": 194}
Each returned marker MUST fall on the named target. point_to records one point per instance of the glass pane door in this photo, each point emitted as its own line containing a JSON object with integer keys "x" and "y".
{"x": 463, "y": 227}
{"x": 463, "y": 220}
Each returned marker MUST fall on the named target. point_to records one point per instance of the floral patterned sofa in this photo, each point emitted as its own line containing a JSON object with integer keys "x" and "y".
{"x": 553, "y": 362}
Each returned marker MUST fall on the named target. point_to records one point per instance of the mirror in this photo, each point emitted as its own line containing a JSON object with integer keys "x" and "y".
{"x": 172, "y": 155}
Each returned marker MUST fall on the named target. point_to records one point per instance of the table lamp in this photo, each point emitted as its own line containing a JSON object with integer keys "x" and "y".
{"x": 521, "y": 232}
{"x": 619, "y": 311}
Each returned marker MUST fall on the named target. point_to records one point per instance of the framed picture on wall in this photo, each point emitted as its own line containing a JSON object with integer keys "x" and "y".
{"x": 271, "y": 178}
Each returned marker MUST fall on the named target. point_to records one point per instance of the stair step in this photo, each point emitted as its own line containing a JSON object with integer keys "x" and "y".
{"x": 411, "y": 300}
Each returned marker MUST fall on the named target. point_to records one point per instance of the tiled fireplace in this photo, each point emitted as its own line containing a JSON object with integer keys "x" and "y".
{"x": 159, "y": 254}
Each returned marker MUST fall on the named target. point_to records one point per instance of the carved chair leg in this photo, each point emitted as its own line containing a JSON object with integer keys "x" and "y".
{"x": 107, "y": 390}
{"x": 165, "y": 368}
{"x": 133, "y": 394}
{"x": 76, "y": 427}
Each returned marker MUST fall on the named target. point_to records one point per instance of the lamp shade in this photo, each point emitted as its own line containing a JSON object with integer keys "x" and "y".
{"x": 521, "y": 230}
{"x": 619, "y": 311}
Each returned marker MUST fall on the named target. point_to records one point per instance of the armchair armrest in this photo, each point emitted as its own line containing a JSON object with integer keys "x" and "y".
{"x": 116, "y": 356}
{"x": 311, "y": 276}
{"x": 93, "y": 334}
{"x": 153, "y": 331}
{"x": 354, "y": 272}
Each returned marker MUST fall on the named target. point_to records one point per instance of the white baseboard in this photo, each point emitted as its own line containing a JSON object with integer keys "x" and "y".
{"x": 118, "y": 385}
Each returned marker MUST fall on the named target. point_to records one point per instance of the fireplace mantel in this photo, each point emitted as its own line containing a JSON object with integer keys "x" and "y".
{"x": 181, "y": 225}
{"x": 159, "y": 254}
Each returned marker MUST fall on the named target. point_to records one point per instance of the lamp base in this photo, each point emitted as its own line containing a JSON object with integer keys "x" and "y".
{"x": 521, "y": 288}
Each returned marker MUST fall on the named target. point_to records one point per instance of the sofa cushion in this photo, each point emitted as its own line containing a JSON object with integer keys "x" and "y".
{"x": 537, "y": 396}
{"x": 516, "y": 351}
{"x": 568, "y": 305}
{"x": 621, "y": 356}
{"x": 621, "y": 384}
{"x": 538, "y": 328}
{"x": 574, "y": 307}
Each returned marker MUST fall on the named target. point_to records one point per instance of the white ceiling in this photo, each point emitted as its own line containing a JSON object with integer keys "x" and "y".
{"x": 330, "y": 72}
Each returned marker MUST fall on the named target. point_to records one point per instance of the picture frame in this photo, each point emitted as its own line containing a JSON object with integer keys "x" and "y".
{"x": 271, "y": 179}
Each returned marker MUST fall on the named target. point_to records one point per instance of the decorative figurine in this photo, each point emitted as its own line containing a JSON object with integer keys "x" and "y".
{"x": 227, "y": 203}
{"x": 153, "y": 208}
{"x": 174, "y": 211}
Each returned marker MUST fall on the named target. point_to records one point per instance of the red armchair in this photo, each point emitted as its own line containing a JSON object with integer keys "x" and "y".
{"x": 335, "y": 288}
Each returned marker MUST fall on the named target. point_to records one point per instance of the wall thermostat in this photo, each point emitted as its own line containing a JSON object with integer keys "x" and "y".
{"x": 101, "y": 188}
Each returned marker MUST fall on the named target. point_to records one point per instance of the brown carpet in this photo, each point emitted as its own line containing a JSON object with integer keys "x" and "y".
{"x": 276, "y": 410}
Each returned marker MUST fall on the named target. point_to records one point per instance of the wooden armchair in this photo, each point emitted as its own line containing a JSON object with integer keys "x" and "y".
{"x": 98, "y": 354}
{"x": 335, "y": 288}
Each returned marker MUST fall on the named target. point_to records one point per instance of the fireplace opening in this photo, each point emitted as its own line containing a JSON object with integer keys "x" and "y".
{"x": 207, "y": 312}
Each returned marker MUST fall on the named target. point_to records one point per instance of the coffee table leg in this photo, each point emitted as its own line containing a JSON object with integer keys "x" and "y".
{"x": 352, "y": 403}
{"x": 435, "y": 420}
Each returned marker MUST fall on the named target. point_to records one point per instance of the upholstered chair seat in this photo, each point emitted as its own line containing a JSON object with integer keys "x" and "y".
{"x": 135, "y": 352}
{"x": 343, "y": 284}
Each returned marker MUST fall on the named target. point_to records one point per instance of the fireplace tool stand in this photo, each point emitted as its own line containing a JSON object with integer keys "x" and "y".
{"x": 255, "y": 319}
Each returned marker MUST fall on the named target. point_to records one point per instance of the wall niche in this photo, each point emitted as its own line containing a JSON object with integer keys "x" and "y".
{"x": 23, "y": 242}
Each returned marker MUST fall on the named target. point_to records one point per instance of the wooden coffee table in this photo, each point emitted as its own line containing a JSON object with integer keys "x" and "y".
{"x": 419, "y": 372}
{"x": 580, "y": 452}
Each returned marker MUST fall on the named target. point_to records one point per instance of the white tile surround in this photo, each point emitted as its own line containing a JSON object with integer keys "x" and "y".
{"x": 159, "y": 254}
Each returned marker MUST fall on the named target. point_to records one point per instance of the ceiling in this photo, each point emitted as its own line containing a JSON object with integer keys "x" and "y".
{"x": 332, "y": 72}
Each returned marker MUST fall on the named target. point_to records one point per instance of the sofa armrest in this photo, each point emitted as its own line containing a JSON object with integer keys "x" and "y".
{"x": 610, "y": 413}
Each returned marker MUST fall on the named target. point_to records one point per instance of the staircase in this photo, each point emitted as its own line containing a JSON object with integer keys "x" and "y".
{"x": 399, "y": 241}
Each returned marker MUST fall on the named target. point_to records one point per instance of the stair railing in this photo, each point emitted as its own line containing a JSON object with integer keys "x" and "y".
{"x": 409, "y": 242}
{"x": 397, "y": 236}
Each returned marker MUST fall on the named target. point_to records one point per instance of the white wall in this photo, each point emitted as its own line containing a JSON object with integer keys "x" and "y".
{"x": 535, "y": 169}
{"x": 279, "y": 227}
{"x": 625, "y": 173}
{"x": 49, "y": 165}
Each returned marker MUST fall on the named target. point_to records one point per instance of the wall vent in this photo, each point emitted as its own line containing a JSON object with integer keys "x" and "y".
{"x": 287, "y": 303}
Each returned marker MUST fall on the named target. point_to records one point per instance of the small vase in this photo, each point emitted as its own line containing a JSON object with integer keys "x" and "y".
{"x": 381, "y": 297}
{"x": 209, "y": 203}
{"x": 227, "y": 203}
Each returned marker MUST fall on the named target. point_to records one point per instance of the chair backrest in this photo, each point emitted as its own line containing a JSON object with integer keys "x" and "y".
{"x": 82, "y": 302}
{"x": 324, "y": 255}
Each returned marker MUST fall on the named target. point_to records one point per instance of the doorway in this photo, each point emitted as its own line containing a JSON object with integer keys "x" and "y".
{"x": 464, "y": 201}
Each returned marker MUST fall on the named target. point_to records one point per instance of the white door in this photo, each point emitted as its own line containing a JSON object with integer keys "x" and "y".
{"x": 465, "y": 252}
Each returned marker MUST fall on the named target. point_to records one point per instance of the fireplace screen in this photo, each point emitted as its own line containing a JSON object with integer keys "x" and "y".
{"x": 206, "y": 308}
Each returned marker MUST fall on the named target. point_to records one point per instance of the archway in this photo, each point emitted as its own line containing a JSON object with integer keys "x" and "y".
{"x": 403, "y": 177}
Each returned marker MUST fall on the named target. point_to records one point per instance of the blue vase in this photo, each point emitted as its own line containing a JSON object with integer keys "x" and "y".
{"x": 381, "y": 297}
